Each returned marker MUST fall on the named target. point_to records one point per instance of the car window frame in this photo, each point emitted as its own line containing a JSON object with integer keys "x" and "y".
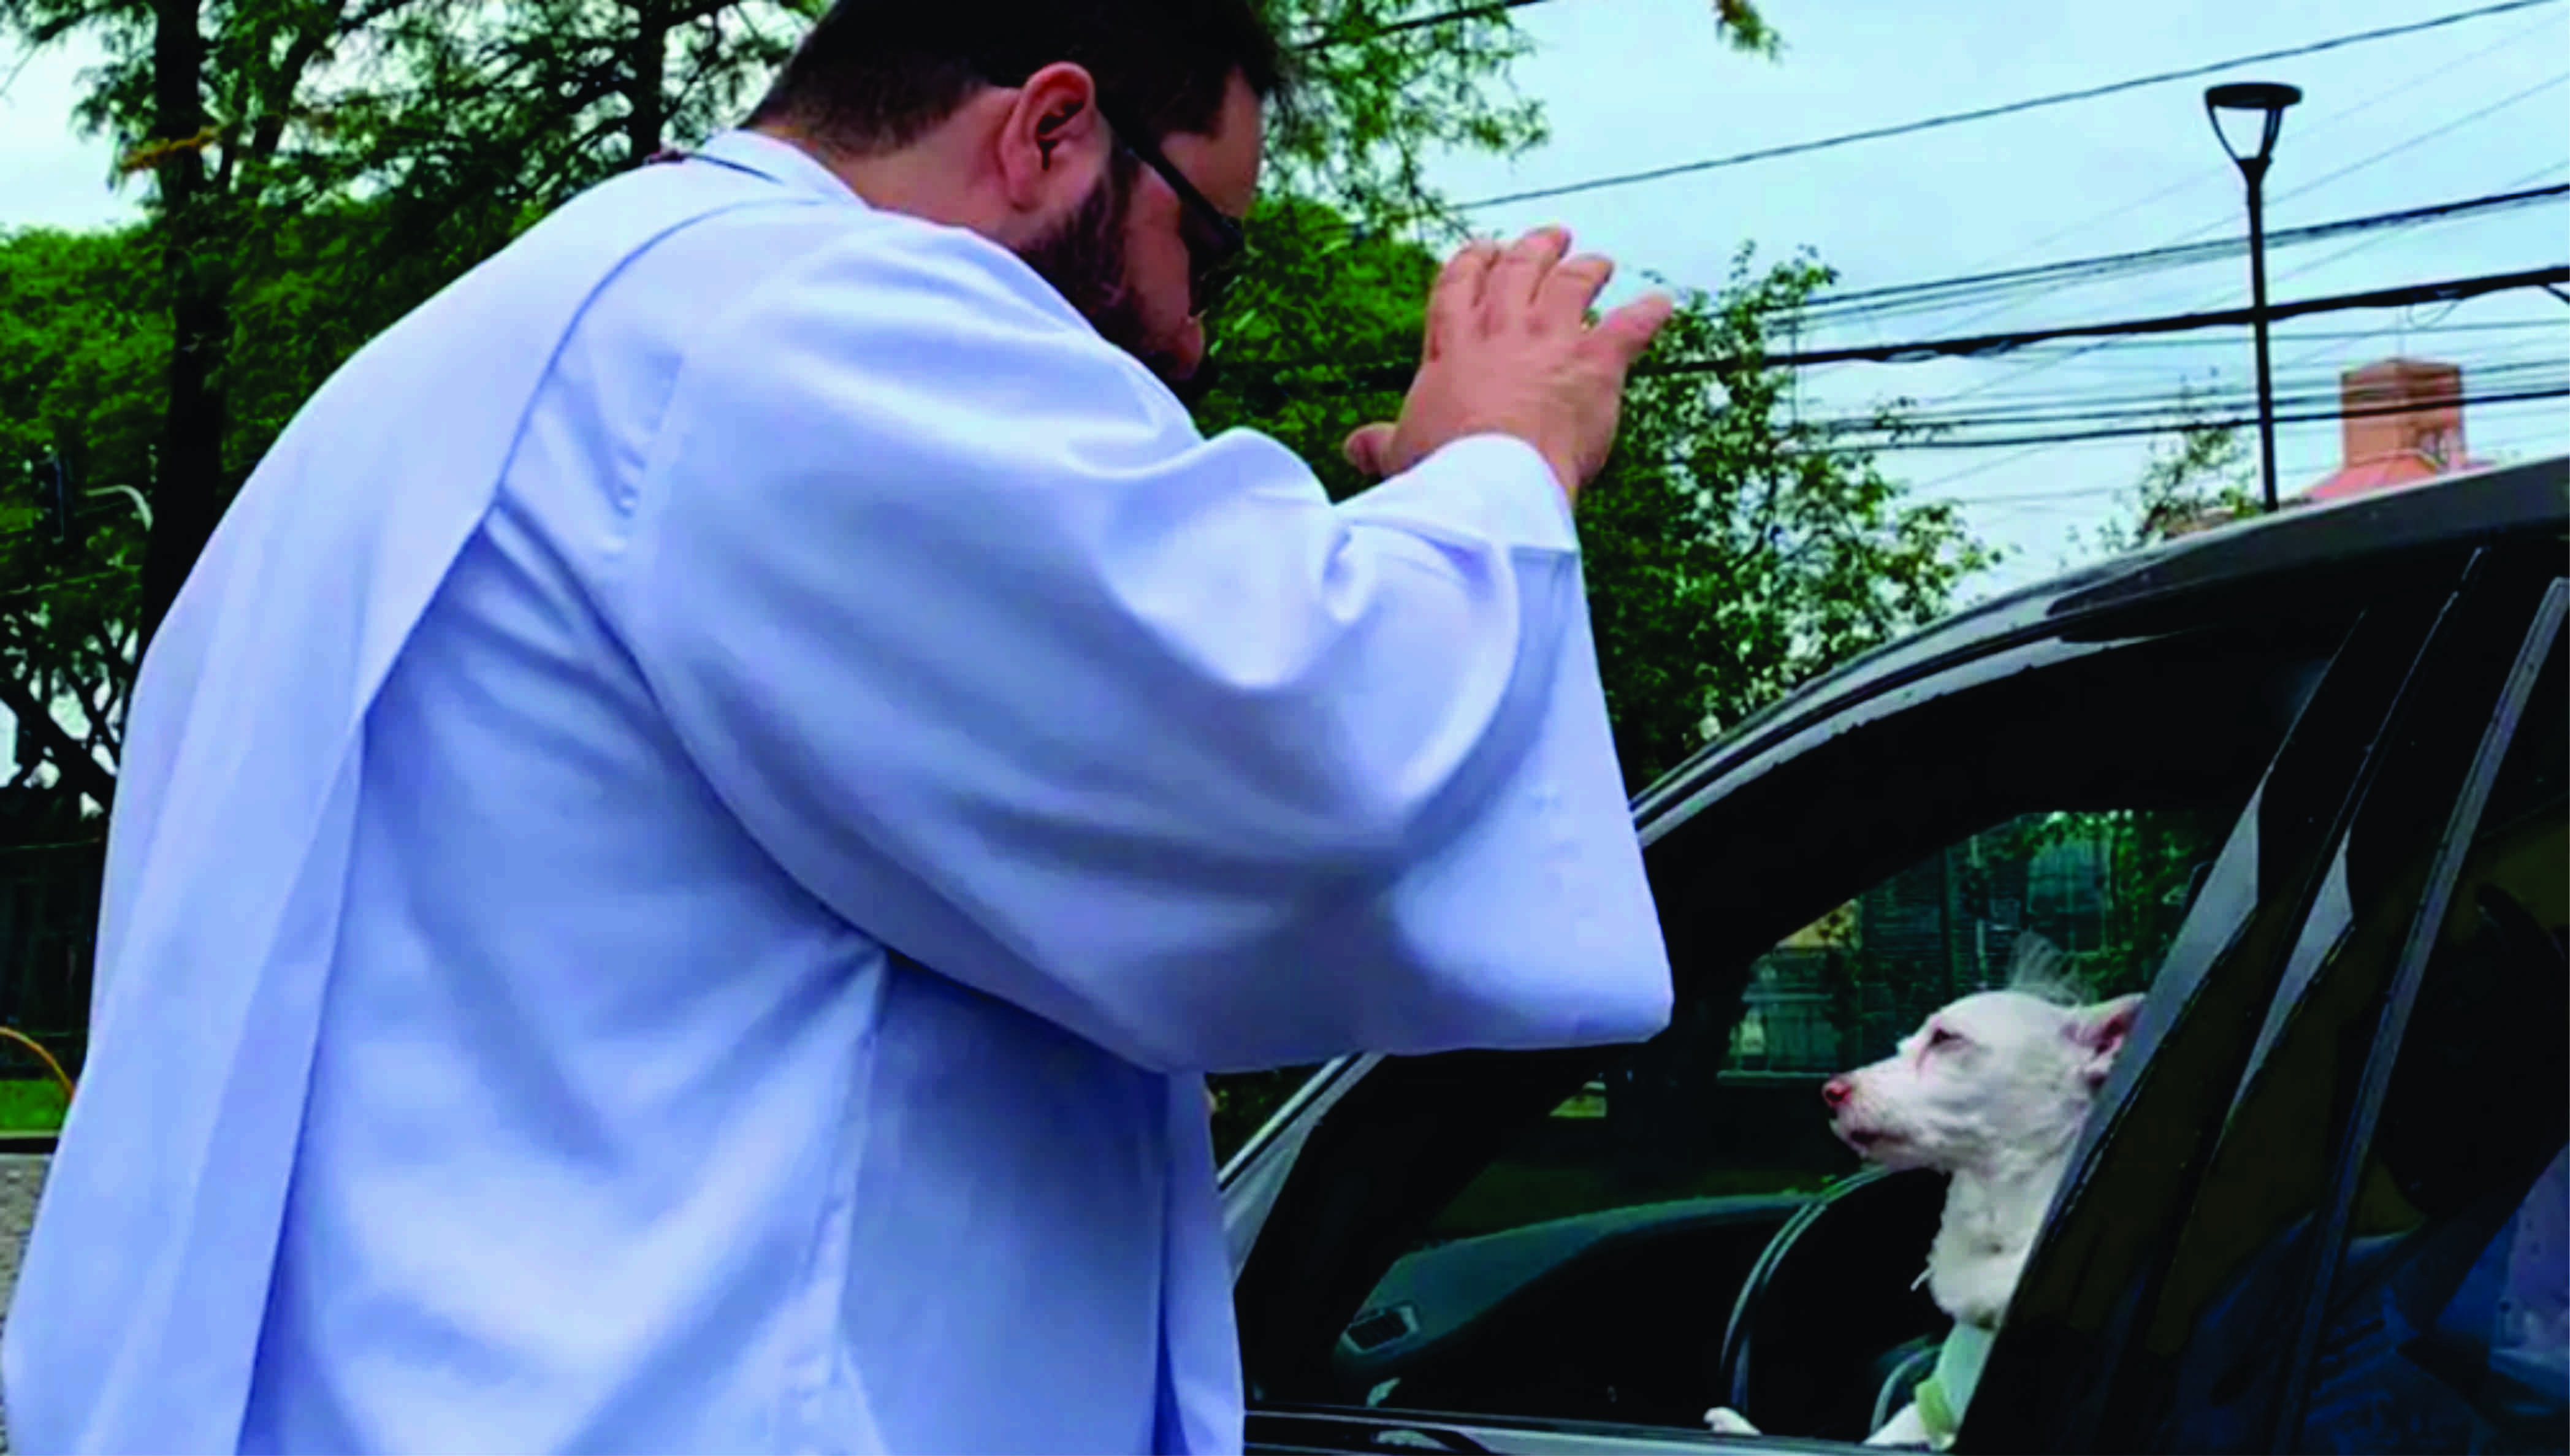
{"x": 2135, "y": 637}
{"x": 2089, "y": 1379}
{"x": 2542, "y": 639}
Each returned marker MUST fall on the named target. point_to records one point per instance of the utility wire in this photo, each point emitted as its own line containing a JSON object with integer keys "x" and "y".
{"x": 1951, "y": 119}
{"x": 2174, "y": 414}
{"x": 2350, "y": 335}
{"x": 2521, "y": 374}
{"x": 2219, "y": 423}
{"x": 2178, "y": 411}
{"x": 2385, "y": 155}
{"x": 1941, "y": 292}
{"x": 2407, "y": 86}
{"x": 1395, "y": 378}
{"x": 1997, "y": 344}
{"x": 2315, "y": 265}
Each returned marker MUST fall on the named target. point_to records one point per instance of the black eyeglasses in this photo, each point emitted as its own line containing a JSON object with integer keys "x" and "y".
{"x": 1214, "y": 238}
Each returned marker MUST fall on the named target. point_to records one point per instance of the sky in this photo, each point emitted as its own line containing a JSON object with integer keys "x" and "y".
{"x": 2466, "y": 109}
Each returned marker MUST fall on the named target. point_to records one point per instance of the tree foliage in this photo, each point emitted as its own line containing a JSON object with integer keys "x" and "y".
{"x": 2199, "y": 475}
{"x": 318, "y": 168}
{"x": 1735, "y": 550}
{"x": 83, "y": 355}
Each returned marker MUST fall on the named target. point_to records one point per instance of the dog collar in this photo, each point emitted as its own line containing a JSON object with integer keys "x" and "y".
{"x": 1942, "y": 1397}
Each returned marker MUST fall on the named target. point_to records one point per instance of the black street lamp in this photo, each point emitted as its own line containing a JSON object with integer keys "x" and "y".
{"x": 2266, "y": 99}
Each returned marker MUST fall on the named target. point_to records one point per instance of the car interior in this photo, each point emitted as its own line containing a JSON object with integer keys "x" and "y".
{"x": 1465, "y": 1272}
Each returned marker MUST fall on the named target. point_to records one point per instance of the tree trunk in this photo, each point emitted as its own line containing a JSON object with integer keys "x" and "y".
{"x": 186, "y": 494}
{"x": 37, "y": 728}
{"x": 647, "y": 111}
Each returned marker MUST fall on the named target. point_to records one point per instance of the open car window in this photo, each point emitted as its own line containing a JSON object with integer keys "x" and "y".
{"x": 1595, "y": 1268}
{"x": 1525, "y": 1239}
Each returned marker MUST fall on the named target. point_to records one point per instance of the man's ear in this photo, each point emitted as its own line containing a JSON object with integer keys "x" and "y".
{"x": 1052, "y": 142}
{"x": 2101, "y": 1031}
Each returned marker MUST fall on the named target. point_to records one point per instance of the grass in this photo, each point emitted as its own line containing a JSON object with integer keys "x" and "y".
{"x": 30, "y": 1106}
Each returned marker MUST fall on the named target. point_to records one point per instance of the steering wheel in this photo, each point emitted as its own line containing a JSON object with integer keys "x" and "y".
{"x": 1834, "y": 1315}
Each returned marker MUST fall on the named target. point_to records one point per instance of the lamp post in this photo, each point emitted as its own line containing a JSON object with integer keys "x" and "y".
{"x": 2266, "y": 100}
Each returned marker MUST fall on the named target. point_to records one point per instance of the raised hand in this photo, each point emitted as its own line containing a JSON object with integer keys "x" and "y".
{"x": 1510, "y": 350}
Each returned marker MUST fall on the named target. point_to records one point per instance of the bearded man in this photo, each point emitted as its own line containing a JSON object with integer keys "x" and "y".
{"x": 683, "y": 854}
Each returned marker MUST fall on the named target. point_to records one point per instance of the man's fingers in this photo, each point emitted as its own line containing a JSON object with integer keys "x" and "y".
{"x": 1571, "y": 287}
{"x": 1521, "y": 271}
{"x": 1630, "y": 329}
{"x": 1456, "y": 297}
{"x": 1368, "y": 448}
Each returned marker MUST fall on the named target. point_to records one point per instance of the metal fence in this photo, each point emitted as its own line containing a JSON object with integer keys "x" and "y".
{"x": 1943, "y": 928}
{"x": 48, "y": 937}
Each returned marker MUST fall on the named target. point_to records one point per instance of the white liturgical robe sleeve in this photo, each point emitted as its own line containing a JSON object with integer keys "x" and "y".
{"x": 981, "y": 640}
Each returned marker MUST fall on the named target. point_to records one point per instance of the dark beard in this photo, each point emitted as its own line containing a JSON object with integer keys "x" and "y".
{"x": 1084, "y": 259}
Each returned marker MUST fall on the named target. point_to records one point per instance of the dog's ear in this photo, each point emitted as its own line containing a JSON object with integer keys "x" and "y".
{"x": 2100, "y": 1030}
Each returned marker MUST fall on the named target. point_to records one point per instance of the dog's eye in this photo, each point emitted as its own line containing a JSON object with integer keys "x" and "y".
{"x": 1939, "y": 1035}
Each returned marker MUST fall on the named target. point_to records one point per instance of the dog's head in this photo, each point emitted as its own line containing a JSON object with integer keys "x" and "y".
{"x": 1993, "y": 1078}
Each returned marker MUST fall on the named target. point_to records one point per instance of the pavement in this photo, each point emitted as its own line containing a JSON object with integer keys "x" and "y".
{"x": 22, "y": 1176}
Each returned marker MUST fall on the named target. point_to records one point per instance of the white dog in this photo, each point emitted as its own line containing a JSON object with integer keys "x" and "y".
{"x": 1992, "y": 1090}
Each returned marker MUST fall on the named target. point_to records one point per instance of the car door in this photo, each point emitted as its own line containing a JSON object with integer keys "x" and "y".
{"x": 1594, "y": 1311}
{"x": 2298, "y": 1179}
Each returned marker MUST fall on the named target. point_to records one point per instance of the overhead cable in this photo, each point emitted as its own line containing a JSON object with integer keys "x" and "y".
{"x": 2221, "y": 422}
{"x": 1393, "y": 378}
{"x": 1946, "y": 292}
{"x": 1952, "y": 119}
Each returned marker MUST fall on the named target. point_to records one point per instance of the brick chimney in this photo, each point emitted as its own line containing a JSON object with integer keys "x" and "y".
{"x": 2403, "y": 424}
{"x": 2434, "y": 429}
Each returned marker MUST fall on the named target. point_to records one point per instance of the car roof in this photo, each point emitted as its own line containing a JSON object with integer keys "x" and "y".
{"x": 2263, "y": 554}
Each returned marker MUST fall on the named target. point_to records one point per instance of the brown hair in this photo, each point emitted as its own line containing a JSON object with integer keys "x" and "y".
{"x": 876, "y": 75}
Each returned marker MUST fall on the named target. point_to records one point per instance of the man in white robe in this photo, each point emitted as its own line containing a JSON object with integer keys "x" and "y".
{"x": 685, "y": 850}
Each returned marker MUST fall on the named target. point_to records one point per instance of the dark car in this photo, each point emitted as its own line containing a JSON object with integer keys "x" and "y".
{"x": 2300, "y": 781}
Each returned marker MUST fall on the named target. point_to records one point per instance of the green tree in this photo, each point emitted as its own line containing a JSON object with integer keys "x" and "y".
{"x": 1733, "y": 549}
{"x": 83, "y": 357}
{"x": 2199, "y": 475}
{"x": 320, "y": 166}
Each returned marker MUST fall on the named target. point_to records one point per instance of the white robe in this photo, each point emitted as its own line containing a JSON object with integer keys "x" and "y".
{"x": 621, "y": 680}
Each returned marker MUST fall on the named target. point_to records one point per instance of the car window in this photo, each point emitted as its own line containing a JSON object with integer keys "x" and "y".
{"x": 1565, "y": 1234}
{"x": 1674, "y": 1172}
{"x": 2245, "y": 1306}
{"x": 2080, "y": 1359}
{"x": 2441, "y": 1327}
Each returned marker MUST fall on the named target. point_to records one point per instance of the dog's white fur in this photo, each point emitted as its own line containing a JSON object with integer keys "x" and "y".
{"x": 1993, "y": 1091}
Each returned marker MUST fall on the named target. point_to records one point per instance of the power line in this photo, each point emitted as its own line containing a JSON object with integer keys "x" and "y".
{"x": 2355, "y": 167}
{"x": 2171, "y": 414}
{"x": 2054, "y": 498}
{"x": 2350, "y": 335}
{"x": 2219, "y": 423}
{"x": 2076, "y": 409}
{"x": 1396, "y": 378}
{"x": 1996, "y": 343}
{"x": 2407, "y": 86}
{"x": 1950, "y": 119}
{"x": 2185, "y": 410}
{"x": 2316, "y": 265}
{"x": 1941, "y": 292}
